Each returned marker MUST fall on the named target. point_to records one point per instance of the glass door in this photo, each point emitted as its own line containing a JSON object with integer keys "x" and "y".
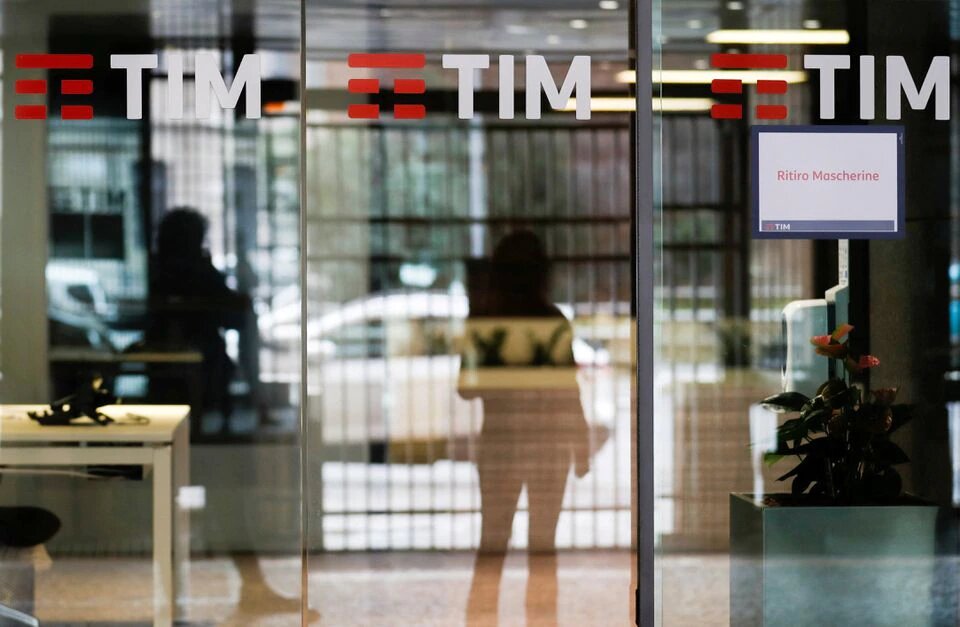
{"x": 468, "y": 301}
{"x": 805, "y": 465}
{"x": 149, "y": 282}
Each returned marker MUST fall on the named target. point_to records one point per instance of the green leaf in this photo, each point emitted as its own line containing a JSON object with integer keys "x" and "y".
{"x": 791, "y": 430}
{"x": 902, "y": 414}
{"x": 489, "y": 350}
{"x": 848, "y": 396}
{"x": 785, "y": 401}
{"x": 885, "y": 485}
{"x": 790, "y": 473}
{"x": 796, "y": 470}
{"x": 772, "y": 458}
{"x": 886, "y": 453}
{"x": 809, "y": 471}
{"x": 830, "y": 388}
{"x": 801, "y": 483}
{"x": 814, "y": 420}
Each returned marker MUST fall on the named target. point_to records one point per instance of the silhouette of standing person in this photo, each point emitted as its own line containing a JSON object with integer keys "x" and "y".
{"x": 190, "y": 304}
{"x": 518, "y": 358}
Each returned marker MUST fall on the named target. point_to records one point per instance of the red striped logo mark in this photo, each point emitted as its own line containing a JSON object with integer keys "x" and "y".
{"x": 726, "y": 61}
{"x": 76, "y": 112}
{"x": 771, "y": 87}
{"x": 726, "y": 112}
{"x": 738, "y": 61}
{"x": 76, "y": 86}
{"x": 389, "y": 61}
{"x": 409, "y": 86}
{"x": 30, "y": 112}
{"x": 70, "y": 87}
{"x": 726, "y": 86}
{"x": 24, "y": 86}
{"x": 363, "y": 86}
{"x": 54, "y": 61}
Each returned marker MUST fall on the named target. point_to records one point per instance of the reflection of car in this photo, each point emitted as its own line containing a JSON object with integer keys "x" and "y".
{"x": 78, "y": 307}
{"x": 385, "y": 369}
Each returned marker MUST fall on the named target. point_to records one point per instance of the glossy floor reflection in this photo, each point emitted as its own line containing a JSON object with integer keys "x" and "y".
{"x": 422, "y": 589}
{"x": 431, "y": 590}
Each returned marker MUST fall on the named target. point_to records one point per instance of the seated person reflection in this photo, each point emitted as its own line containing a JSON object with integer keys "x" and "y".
{"x": 21, "y": 528}
{"x": 190, "y": 306}
{"x": 518, "y": 359}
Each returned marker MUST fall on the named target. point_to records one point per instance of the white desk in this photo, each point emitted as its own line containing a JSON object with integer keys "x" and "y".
{"x": 163, "y": 445}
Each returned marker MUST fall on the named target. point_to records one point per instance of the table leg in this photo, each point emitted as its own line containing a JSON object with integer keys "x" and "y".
{"x": 181, "y": 519}
{"x": 163, "y": 592}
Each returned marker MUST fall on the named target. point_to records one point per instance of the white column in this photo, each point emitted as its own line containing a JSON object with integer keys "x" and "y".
{"x": 164, "y": 594}
{"x": 181, "y": 519}
{"x": 23, "y": 221}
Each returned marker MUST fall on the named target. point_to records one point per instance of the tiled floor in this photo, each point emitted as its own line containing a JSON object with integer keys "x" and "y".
{"x": 373, "y": 589}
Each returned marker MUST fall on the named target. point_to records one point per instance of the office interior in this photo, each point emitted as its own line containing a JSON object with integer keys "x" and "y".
{"x": 333, "y": 458}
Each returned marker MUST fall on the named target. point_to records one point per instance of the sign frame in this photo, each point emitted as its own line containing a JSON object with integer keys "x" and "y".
{"x": 758, "y": 233}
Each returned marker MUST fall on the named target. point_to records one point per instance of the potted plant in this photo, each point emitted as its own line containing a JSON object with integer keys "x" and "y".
{"x": 845, "y": 546}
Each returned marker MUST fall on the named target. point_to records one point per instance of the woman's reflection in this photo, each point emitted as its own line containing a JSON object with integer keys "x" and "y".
{"x": 518, "y": 358}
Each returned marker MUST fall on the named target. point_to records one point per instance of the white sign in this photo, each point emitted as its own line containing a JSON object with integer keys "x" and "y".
{"x": 828, "y": 182}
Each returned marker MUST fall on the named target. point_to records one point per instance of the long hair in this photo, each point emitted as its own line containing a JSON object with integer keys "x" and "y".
{"x": 181, "y": 234}
{"x": 520, "y": 269}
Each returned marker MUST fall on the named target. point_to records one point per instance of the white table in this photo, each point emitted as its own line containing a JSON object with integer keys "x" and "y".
{"x": 162, "y": 444}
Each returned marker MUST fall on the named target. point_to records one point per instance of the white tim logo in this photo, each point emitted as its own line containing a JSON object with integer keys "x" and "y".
{"x": 899, "y": 82}
{"x": 208, "y": 81}
{"x": 576, "y": 83}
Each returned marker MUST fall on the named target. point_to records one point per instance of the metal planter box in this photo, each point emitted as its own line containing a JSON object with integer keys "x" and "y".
{"x": 864, "y": 565}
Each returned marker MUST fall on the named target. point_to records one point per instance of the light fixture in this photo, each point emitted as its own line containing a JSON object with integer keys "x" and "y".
{"x": 705, "y": 77}
{"x": 624, "y": 104}
{"x": 695, "y": 24}
{"x": 517, "y": 29}
{"x": 779, "y": 36}
{"x": 735, "y": 5}
{"x": 578, "y": 24}
{"x": 691, "y": 105}
{"x": 553, "y": 40}
{"x": 811, "y": 24}
{"x": 609, "y": 5}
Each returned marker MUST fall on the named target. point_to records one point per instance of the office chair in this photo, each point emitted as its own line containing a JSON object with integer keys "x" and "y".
{"x": 18, "y": 617}
{"x": 23, "y": 527}
{"x": 17, "y": 571}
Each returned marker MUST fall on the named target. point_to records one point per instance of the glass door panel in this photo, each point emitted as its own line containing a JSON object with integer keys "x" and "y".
{"x": 468, "y": 304}
{"x": 767, "y": 514}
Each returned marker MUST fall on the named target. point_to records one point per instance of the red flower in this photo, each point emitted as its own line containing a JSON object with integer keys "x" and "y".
{"x": 885, "y": 396}
{"x": 820, "y": 340}
{"x": 841, "y": 331}
{"x": 835, "y": 351}
{"x": 858, "y": 365}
